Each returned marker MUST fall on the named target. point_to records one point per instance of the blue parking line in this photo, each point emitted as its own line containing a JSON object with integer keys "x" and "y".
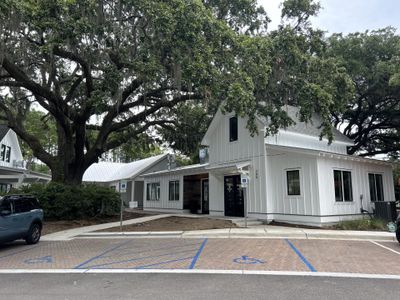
{"x": 150, "y": 249}
{"x": 139, "y": 258}
{"x": 196, "y": 257}
{"x": 162, "y": 263}
{"x": 305, "y": 261}
{"x": 98, "y": 256}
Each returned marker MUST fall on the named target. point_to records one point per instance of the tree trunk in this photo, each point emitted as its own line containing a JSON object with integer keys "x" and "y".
{"x": 72, "y": 175}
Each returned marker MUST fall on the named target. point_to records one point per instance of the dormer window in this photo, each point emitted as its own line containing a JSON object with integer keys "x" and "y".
{"x": 233, "y": 129}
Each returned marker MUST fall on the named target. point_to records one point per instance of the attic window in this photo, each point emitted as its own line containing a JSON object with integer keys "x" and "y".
{"x": 3, "y": 152}
{"x": 8, "y": 154}
{"x": 233, "y": 129}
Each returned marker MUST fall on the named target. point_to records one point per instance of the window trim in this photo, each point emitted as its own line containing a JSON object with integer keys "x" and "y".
{"x": 157, "y": 191}
{"x": 287, "y": 182}
{"x": 231, "y": 138}
{"x": 343, "y": 200}
{"x": 175, "y": 182}
{"x": 375, "y": 174}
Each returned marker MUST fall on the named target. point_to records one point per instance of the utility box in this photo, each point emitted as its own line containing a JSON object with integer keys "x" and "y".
{"x": 386, "y": 210}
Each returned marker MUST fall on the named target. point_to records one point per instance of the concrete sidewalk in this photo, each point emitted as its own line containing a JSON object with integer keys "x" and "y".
{"x": 263, "y": 231}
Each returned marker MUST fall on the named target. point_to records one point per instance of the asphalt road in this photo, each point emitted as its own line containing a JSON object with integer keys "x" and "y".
{"x": 192, "y": 286}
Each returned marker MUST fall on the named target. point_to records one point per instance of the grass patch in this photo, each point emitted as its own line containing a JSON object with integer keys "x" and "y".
{"x": 364, "y": 224}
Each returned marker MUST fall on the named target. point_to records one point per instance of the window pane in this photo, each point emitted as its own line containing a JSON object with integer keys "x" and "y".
{"x": 5, "y": 205}
{"x": 176, "y": 190}
{"x": 171, "y": 190}
{"x": 233, "y": 129}
{"x": 3, "y": 152}
{"x": 379, "y": 187}
{"x": 293, "y": 182}
{"x": 337, "y": 177}
{"x": 148, "y": 191}
{"x": 8, "y": 154}
{"x": 157, "y": 185}
{"x": 348, "y": 193}
{"x": 372, "y": 186}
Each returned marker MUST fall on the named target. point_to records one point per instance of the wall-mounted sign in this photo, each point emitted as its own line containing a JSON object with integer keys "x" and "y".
{"x": 244, "y": 180}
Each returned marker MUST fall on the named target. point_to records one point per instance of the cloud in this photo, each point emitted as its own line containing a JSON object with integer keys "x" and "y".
{"x": 346, "y": 15}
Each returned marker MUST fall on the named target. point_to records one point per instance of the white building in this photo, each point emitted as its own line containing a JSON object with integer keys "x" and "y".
{"x": 125, "y": 177}
{"x": 294, "y": 176}
{"x": 13, "y": 172}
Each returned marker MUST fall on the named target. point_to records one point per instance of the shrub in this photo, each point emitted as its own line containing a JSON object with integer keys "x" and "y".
{"x": 64, "y": 202}
{"x": 363, "y": 224}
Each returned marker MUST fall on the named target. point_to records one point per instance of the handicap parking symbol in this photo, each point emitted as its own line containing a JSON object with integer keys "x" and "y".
{"x": 248, "y": 260}
{"x": 39, "y": 260}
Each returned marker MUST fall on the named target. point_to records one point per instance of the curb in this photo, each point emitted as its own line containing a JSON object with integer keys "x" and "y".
{"x": 238, "y": 234}
{"x": 200, "y": 271}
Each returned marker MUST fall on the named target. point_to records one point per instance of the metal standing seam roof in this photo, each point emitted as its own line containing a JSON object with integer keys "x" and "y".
{"x": 311, "y": 128}
{"x": 109, "y": 171}
{"x": 3, "y": 131}
{"x": 194, "y": 167}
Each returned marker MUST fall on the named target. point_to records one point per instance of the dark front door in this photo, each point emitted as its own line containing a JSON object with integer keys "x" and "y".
{"x": 204, "y": 197}
{"x": 234, "y": 202}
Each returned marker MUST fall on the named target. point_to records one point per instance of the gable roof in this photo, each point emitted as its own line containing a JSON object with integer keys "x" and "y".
{"x": 3, "y": 131}
{"x": 110, "y": 171}
{"x": 313, "y": 127}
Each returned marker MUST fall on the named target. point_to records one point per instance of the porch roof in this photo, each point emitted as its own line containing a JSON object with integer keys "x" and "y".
{"x": 193, "y": 169}
{"x": 238, "y": 165}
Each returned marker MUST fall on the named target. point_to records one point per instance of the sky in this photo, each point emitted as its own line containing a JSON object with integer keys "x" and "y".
{"x": 346, "y": 15}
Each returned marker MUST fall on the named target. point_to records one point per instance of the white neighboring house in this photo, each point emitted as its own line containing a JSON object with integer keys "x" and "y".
{"x": 13, "y": 172}
{"x": 125, "y": 177}
{"x": 294, "y": 176}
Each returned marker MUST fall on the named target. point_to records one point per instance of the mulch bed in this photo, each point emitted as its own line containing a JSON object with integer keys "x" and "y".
{"x": 51, "y": 226}
{"x": 175, "y": 224}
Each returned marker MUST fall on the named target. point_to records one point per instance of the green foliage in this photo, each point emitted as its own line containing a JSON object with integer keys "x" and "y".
{"x": 139, "y": 147}
{"x": 363, "y": 224}
{"x": 371, "y": 114}
{"x": 65, "y": 202}
{"x": 43, "y": 127}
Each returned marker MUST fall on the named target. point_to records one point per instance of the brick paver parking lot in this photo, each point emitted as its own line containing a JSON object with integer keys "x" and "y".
{"x": 213, "y": 253}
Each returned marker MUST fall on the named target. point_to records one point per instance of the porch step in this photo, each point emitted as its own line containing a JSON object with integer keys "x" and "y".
{"x": 250, "y": 222}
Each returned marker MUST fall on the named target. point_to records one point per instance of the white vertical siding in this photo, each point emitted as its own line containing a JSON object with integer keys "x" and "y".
{"x": 164, "y": 202}
{"x": 11, "y": 140}
{"x": 307, "y": 203}
{"x": 246, "y": 148}
{"x": 359, "y": 177}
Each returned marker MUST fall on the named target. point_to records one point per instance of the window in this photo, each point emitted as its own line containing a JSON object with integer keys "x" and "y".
{"x": 8, "y": 154}
{"x": 153, "y": 191}
{"x": 3, "y": 152}
{"x": 233, "y": 129}
{"x": 376, "y": 187}
{"x": 343, "y": 187}
{"x": 23, "y": 205}
{"x": 174, "y": 190}
{"x": 5, "y": 204}
{"x": 293, "y": 182}
{"x": 5, "y": 187}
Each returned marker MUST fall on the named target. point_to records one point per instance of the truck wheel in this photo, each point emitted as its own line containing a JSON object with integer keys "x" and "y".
{"x": 33, "y": 234}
